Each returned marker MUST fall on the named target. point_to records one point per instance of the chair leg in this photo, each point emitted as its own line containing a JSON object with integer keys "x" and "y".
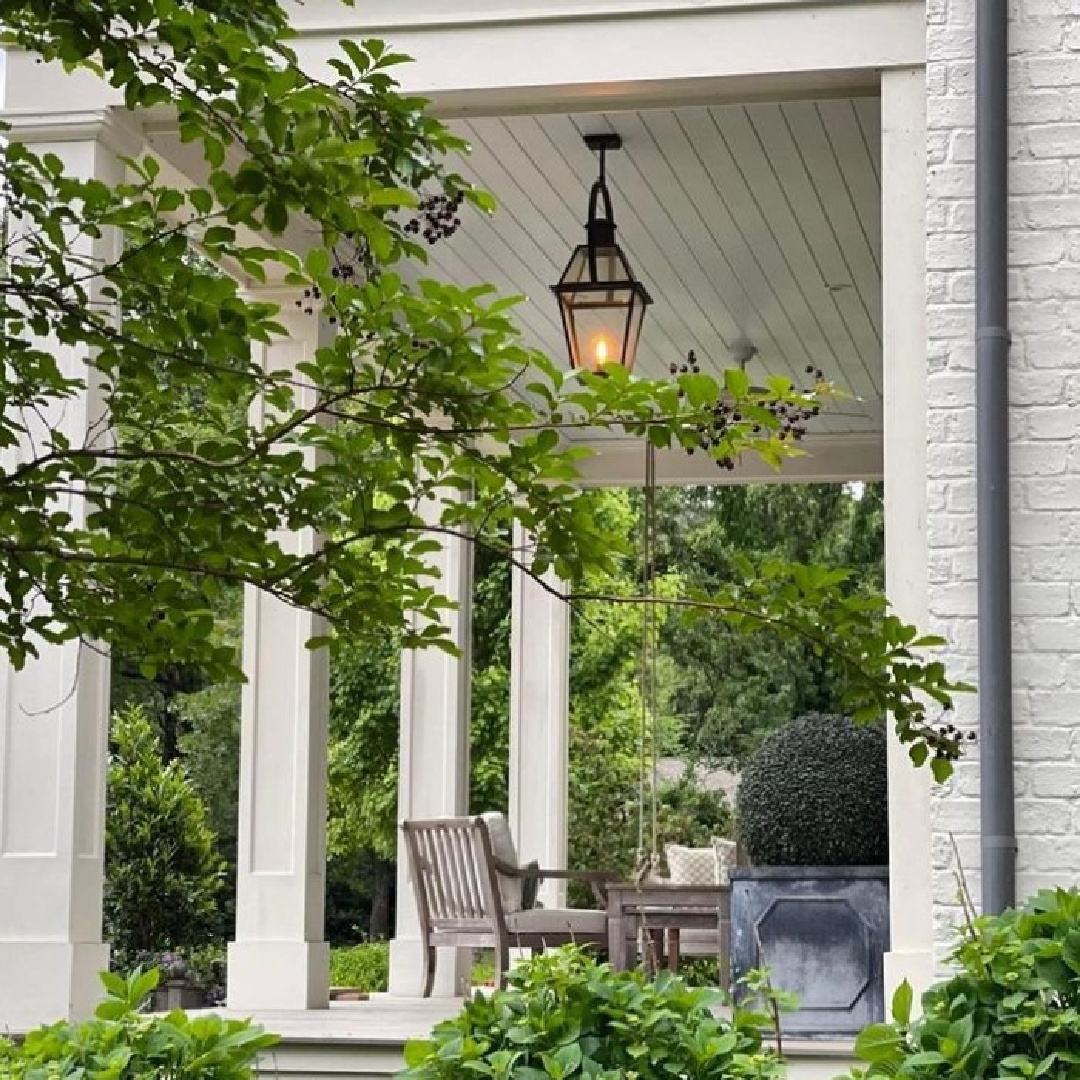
{"x": 502, "y": 965}
{"x": 429, "y": 970}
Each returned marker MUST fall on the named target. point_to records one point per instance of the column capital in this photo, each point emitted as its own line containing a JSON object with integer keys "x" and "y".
{"x": 113, "y": 127}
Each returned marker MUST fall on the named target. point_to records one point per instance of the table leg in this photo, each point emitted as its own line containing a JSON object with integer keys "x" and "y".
{"x": 654, "y": 950}
{"x": 725, "y": 953}
{"x": 673, "y": 949}
{"x": 617, "y": 951}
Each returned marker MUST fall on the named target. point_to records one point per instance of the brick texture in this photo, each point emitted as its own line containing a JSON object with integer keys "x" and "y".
{"x": 1044, "y": 218}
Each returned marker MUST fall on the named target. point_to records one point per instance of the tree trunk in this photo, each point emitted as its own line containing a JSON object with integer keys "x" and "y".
{"x": 382, "y": 878}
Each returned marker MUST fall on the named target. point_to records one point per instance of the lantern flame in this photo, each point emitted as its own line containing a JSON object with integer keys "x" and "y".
{"x": 601, "y": 352}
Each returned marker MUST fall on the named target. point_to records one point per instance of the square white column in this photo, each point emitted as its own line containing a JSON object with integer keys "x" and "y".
{"x": 54, "y": 712}
{"x": 279, "y": 959}
{"x": 433, "y": 766}
{"x": 903, "y": 195}
{"x": 539, "y": 719}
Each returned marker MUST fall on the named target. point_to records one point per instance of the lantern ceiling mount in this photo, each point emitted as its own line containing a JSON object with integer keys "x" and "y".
{"x": 601, "y": 302}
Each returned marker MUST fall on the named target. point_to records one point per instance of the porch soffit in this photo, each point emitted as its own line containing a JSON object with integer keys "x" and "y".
{"x": 750, "y": 225}
{"x": 756, "y": 221}
{"x": 747, "y": 195}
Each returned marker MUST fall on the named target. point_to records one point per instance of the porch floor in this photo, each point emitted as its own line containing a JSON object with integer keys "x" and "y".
{"x": 382, "y": 1020}
{"x": 365, "y": 1039}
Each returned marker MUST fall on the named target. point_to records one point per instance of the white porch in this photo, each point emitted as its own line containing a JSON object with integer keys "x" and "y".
{"x": 771, "y": 191}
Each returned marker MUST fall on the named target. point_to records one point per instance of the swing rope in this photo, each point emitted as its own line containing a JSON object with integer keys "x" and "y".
{"x": 648, "y": 745}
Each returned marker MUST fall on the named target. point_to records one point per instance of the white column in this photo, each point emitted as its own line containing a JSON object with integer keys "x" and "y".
{"x": 433, "y": 767}
{"x": 539, "y": 720}
{"x": 54, "y": 716}
{"x": 903, "y": 173}
{"x": 280, "y": 959}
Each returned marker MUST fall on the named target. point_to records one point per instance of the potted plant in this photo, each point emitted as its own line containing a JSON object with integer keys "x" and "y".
{"x": 813, "y": 905}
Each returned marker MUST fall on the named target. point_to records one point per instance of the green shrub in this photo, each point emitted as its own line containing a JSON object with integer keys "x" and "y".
{"x": 564, "y": 1015}
{"x": 690, "y": 815}
{"x": 123, "y": 1044}
{"x": 1011, "y": 1010}
{"x": 816, "y": 794}
{"x": 361, "y": 967}
{"x": 162, "y": 872}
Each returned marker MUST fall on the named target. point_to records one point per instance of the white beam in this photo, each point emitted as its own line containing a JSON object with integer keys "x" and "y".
{"x": 828, "y": 459}
{"x": 541, "y": 56}
{"x": 280, "y": 959}
{"x": 54, "y": 712}
{"x": 433, "y": 766}
{"x": 539, "y": 720}
{"x": 903, "y": 174}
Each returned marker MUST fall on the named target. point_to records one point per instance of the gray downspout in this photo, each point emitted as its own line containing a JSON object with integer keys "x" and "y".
{"x": 997, "y": 801}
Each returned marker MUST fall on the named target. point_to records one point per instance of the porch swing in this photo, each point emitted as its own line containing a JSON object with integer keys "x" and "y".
{"x": 686, "y": 913}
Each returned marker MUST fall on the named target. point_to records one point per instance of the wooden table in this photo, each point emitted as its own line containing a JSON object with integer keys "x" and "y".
{"x": 662, "y": 911}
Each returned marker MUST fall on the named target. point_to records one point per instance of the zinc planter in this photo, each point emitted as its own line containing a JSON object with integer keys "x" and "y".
{"x": 822, "y": 931}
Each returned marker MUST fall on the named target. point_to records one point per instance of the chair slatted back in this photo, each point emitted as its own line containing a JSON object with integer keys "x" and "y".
{"x": 453, "y": 873}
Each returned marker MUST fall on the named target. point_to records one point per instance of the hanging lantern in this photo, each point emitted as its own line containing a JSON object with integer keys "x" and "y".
{"x": 601, "y": 302}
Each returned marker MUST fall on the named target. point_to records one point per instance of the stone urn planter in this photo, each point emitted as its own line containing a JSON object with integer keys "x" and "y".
{"x": 813, "y": 906}
{"x": 178, "y": 994}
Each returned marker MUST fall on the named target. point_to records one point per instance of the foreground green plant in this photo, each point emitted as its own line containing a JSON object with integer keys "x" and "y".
{"x": 1012, "y": 1009}
{"x": 565, "y": 1015}
{"x": 121, "y": 1043}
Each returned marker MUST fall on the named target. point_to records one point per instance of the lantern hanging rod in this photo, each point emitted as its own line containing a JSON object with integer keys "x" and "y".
{"x": 600, "y": 143}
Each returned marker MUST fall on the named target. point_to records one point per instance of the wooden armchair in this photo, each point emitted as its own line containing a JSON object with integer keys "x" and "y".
{"x": 465, "y": 896}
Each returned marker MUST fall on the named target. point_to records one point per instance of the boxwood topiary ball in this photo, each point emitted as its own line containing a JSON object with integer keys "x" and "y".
{"x": 816, "y": 794}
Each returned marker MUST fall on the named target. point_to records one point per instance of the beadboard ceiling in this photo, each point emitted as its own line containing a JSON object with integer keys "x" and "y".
{"x": 756, "y": 224}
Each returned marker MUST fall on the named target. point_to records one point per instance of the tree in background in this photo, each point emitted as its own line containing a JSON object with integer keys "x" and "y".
{"x": 727, "y": 691}
{"x": 162, "y": 871}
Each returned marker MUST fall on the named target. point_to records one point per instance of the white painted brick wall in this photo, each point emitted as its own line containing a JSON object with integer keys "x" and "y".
{"x": 1044, "y": 219}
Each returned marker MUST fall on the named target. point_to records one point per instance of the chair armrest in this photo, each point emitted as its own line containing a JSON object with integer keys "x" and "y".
{"x": 596, "y": 879}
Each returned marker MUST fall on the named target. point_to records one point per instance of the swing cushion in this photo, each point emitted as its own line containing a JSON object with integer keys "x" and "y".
{"x": 726, "y": 855}
{"x": 691, "y": 866}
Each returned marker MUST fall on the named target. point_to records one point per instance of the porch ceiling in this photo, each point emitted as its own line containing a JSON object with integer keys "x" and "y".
{"x": 750, "y": 224}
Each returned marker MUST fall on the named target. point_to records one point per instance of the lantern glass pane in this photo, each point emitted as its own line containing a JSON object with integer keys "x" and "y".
{"x": 597, "y": 331}
{"x": 610, "y": 266}
{"x": 633, "y": 331}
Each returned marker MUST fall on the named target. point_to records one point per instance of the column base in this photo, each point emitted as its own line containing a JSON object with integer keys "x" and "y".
{"x": 46, "y": 981}
{"x": 452, "y": 970}
{"x": 916, "y": 966}
{"x": 278, "y": 975}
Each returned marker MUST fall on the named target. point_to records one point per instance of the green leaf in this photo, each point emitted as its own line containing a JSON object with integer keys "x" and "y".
{"x": 942, "y": 769}
{"x": 417, "y": 1051}
{"x": 902, "y": 1002}
{"x": 878, "y": 1042}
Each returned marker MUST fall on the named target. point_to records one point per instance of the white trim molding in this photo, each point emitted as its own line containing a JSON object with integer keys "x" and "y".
{"x": 828, "y": 459}
{"x": 494, "y": 58}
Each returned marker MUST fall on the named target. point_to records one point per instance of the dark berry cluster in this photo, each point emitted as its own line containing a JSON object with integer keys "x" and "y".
{"x": 436, "y": 217}
{"x": 950, "y": 734}
{"x": 690, "y": 367}
{"x": 311, "y": 297}
{"x": 791, "y": 417}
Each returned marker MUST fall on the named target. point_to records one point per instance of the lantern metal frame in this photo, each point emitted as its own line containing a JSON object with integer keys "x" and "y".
{"x": 578, "y": 292}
